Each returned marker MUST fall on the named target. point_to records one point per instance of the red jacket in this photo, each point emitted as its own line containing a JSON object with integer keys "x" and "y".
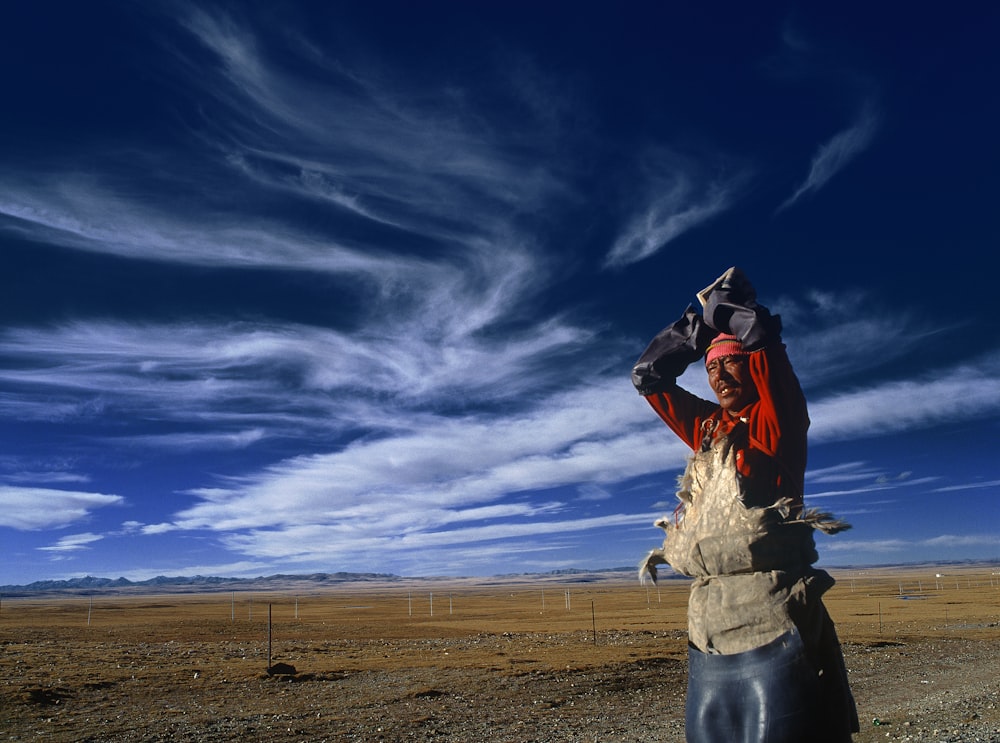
{"x": 773, "y": 456}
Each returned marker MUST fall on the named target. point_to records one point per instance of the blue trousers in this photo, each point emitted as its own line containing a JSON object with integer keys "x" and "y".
{"x": 766, "y": 695}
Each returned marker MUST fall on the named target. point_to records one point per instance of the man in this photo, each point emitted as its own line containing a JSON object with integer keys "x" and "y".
{"x": 764, "y": 660}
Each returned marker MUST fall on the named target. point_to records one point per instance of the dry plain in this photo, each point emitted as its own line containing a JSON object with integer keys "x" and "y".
{"x": 540, "y": 659}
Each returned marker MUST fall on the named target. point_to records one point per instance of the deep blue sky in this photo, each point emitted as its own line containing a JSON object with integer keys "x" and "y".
{"x": 316, "y": 286}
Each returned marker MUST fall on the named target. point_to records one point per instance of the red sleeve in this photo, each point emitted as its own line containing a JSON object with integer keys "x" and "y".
{"x": 779, "y": 421}
{"x": 683, "y": 413}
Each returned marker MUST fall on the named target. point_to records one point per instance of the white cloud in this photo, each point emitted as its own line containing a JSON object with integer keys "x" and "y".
{"x": 843, "y": 472}
{"x": 832, "y": 335}
{"x": 45, "y": 508}
{"x": 962, "y": 540}
{"x": 834, "y": 155}
{"x": 314, "y": 542}
{"x": 676, "y": 197}
{"x": 591, "y": 492}
{"x": 969, "y": 390}
{"x": 880, "y": 546}
{"x": 83, "y": 213}
{"x": 364, "y": 142}
{"x": 237, "y": 375}
{"x": 969, "y": 486}
{"x": 72, "y": 543}
{"x": 199, "y": 441}
{"x": 430, "y": 476}
{"x": 351, "y": 141}
{"x": 865, "y": 490}
{"x": 857, "y": 478}
{"x": 153, "y": 529}
{"x": 942, "y": 541}
{"x": 46, "y": 477}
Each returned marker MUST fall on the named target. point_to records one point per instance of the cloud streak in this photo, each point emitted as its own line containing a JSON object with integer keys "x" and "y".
{"x": 889, "y": 546}
{"x": 835, "y": 155}
{"x": 677, "y": 196}
{"x": 81, "y": 212}
{"x": 379, "y": 165}
{"x": 72, "y": 543}
{"x": 961, "y": 392}
{"x": 239, "y": 373}
{"x": 27, "y": 508}
{"x": 356, "y": 140}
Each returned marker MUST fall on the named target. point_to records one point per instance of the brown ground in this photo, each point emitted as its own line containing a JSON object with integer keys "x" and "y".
{"x": 514, "y": 662}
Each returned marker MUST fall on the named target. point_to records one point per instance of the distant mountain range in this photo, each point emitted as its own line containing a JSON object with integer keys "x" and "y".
{"x": 89, "y": 585}
{"x": 184, "y": 584}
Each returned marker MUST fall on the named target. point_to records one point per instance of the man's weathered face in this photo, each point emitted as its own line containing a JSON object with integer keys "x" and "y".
{"x": 730, "y": 379}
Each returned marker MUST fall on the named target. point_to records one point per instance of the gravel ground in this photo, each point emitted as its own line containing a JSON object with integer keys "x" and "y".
{"x": 502, "y": 688}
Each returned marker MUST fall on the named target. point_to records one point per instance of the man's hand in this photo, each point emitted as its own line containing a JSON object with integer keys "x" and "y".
{"x": 735, "y": 284}
{"x": 673, "y": 349}
{"x": 730, "y": 306}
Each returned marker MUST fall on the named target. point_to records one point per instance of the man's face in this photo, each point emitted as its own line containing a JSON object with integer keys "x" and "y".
{"x": 730, "y": 379}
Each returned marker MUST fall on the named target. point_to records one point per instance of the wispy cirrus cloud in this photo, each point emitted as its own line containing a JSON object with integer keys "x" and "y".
{"x": 849, "y": 479}
{"x": 82, "y": 212}
{"x": 362, "y": 141}
{"x": 72, "y": 543}
{"x": 888, "y": 546}
{"x": 845, "y": 472}
{"x": 416, "y": 471}
{"x": 963, "y": 391}
{"x": 833, "y": 335}
{"x": 327, "y": 542}
{"x": 677, "y": 196}
{"x": 969, "y": 486}
{"x": 447, "y": 470}
{"x": 239, "y": 373}
{"x": 365, "y": 150}
{"x": 834, "y": 155}
{"x": 367, "y": 157}
{"x": 17, "y": 472}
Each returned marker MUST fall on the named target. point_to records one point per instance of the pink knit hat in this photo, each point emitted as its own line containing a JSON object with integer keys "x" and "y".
{"x": 724, "y": 345}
